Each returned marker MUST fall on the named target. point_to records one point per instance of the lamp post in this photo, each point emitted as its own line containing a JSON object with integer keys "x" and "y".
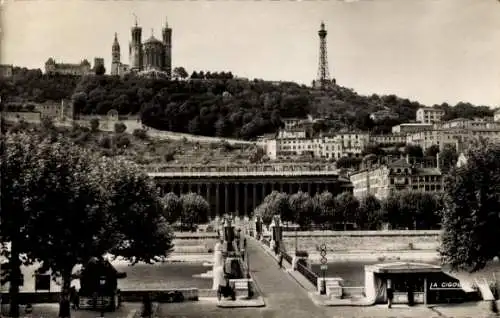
{"x": 102, "y": 284}
{"x": 296, "y": 240}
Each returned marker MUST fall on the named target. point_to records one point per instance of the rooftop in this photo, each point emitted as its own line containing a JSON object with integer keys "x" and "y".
{"x": 402, "y": 267}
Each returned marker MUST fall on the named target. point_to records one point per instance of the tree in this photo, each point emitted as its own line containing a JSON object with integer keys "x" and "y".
{"x": 135, "y": 213}
{"x": 172, "y": 207}
{"x": 84, "y": 206}
{"x": 470, "y": 218}
{"x": 390, "y": 210}
{"x": 195, "y": 209}
{"x": 414, "y": 151}
{"x": 432, "y": 151}
{"x": 20, "y": 176}
{"x": 325, "y": 212}
{"x": 100, "y": 69}
{"x": 94, "y": 125}
{"x": 180, "y": 72}
{"x": 265, "y": 213}
{"x": 74, "y": 205}
{"x": 448, "y": 157}
{"x": 369, "y": 217}
{"x": 301, "y": 208}
{"x": 347, "y": 206}
{"x": 277, "y": 203}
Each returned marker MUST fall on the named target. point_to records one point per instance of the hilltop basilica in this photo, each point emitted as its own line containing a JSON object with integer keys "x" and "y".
{"x": 153, "y": 57}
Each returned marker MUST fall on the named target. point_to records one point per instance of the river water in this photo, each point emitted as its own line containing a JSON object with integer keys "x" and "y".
{"x": 142, "y": 276}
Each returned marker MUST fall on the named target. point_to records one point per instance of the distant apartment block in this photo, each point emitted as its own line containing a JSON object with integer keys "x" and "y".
{"x": 429, "y": 115}
{"x": 385, "y": 179}
{"x": 388, "y": 139}
{"x": 458, "y": 132}
{"x": 329, "y": 146}
{"x": 295, "y": 122}
{"x": 410, "y": 127}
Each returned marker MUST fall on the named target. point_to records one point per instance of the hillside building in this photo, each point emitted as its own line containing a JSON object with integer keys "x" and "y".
{"x": 400, "y": 175}
{"x": 152, "y": 55}
{"x": 77, "y": 69}
{"x": 410, "y": 128}
{"x": 6, "y": 70}
{"x": 429, "y": 115}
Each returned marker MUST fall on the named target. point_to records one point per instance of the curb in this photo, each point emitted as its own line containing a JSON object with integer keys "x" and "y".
{"x": 230, "y": 304}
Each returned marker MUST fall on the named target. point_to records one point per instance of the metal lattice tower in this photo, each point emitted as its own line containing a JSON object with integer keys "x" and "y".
{"x": 323, "y": 73}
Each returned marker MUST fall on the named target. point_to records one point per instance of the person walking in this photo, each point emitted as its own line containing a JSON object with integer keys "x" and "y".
{"x": 147, "y": 308}
{"x": 74, "y": 298}
{"x": 390, "y": 293}
{"x": 64, "y": 306}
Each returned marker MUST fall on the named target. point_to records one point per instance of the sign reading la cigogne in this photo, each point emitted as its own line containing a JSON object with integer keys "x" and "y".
{"x": 445, "y": 285}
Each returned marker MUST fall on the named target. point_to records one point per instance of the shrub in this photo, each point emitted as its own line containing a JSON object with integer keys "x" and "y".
{"x": 105, "y": 142}
{"x": 94, "y": 125}
{"x": 80, "y": 140}
{"x": 120, "y": 128}
{"x": 170, "y": 155}
{"x": 122, "y": 141}
{"x": 140, "y": 133}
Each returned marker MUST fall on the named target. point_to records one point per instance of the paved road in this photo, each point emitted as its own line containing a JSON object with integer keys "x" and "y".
{"x": 283, "y": 296}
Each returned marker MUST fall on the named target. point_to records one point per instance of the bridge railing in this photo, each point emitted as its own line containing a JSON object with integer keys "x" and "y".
{"x": 240, "y": 168}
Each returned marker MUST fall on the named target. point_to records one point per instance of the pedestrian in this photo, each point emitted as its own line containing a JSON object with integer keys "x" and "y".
{"x": 409, "y": 289}
{"x": 390, "y": 293}
{"x": 281, "y": 259}
{"x": 64, "y": 306}
{"x": 147, "y": 309}
{"x": 74, "y": 298}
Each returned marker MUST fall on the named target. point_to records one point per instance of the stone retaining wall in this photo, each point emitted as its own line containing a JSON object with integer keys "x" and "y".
{"x": 375, "y": 241}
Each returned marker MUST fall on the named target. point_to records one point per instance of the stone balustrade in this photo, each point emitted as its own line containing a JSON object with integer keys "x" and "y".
{"x": 241, "y": 170}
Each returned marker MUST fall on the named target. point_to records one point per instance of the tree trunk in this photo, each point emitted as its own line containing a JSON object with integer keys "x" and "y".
{"x": 14, "y": 283}
{"x": 66, "y": 285}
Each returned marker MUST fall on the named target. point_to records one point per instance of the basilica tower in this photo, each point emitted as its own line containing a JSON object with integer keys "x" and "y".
{"x": 115, "y": 56}
{"x": 167, "y": 41}
{"x": 136, "y": 48}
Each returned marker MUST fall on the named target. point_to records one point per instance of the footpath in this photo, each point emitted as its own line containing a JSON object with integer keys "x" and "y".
{"x": 284, "y": 297}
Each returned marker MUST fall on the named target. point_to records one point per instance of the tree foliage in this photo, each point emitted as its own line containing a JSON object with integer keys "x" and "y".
{"x": 195, "y": 209}
{"x": 217, "y": 103}
{"x": 347, "y": 207}
{"x": 172, "y": 207}
{"x": 66, "y": 204}
{"x": 301, "y": 208}
{"x": 369, "y": 213}
{"x": 448, "y": 157}
{"x": 470, "y": 217}
{"x": 325, "y": 210}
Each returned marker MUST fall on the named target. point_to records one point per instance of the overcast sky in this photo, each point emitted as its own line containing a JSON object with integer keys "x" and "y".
{"x": 431, "y": 51}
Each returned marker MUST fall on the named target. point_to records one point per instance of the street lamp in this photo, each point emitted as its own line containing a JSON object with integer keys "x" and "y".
{"x": 102, "y": 284}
